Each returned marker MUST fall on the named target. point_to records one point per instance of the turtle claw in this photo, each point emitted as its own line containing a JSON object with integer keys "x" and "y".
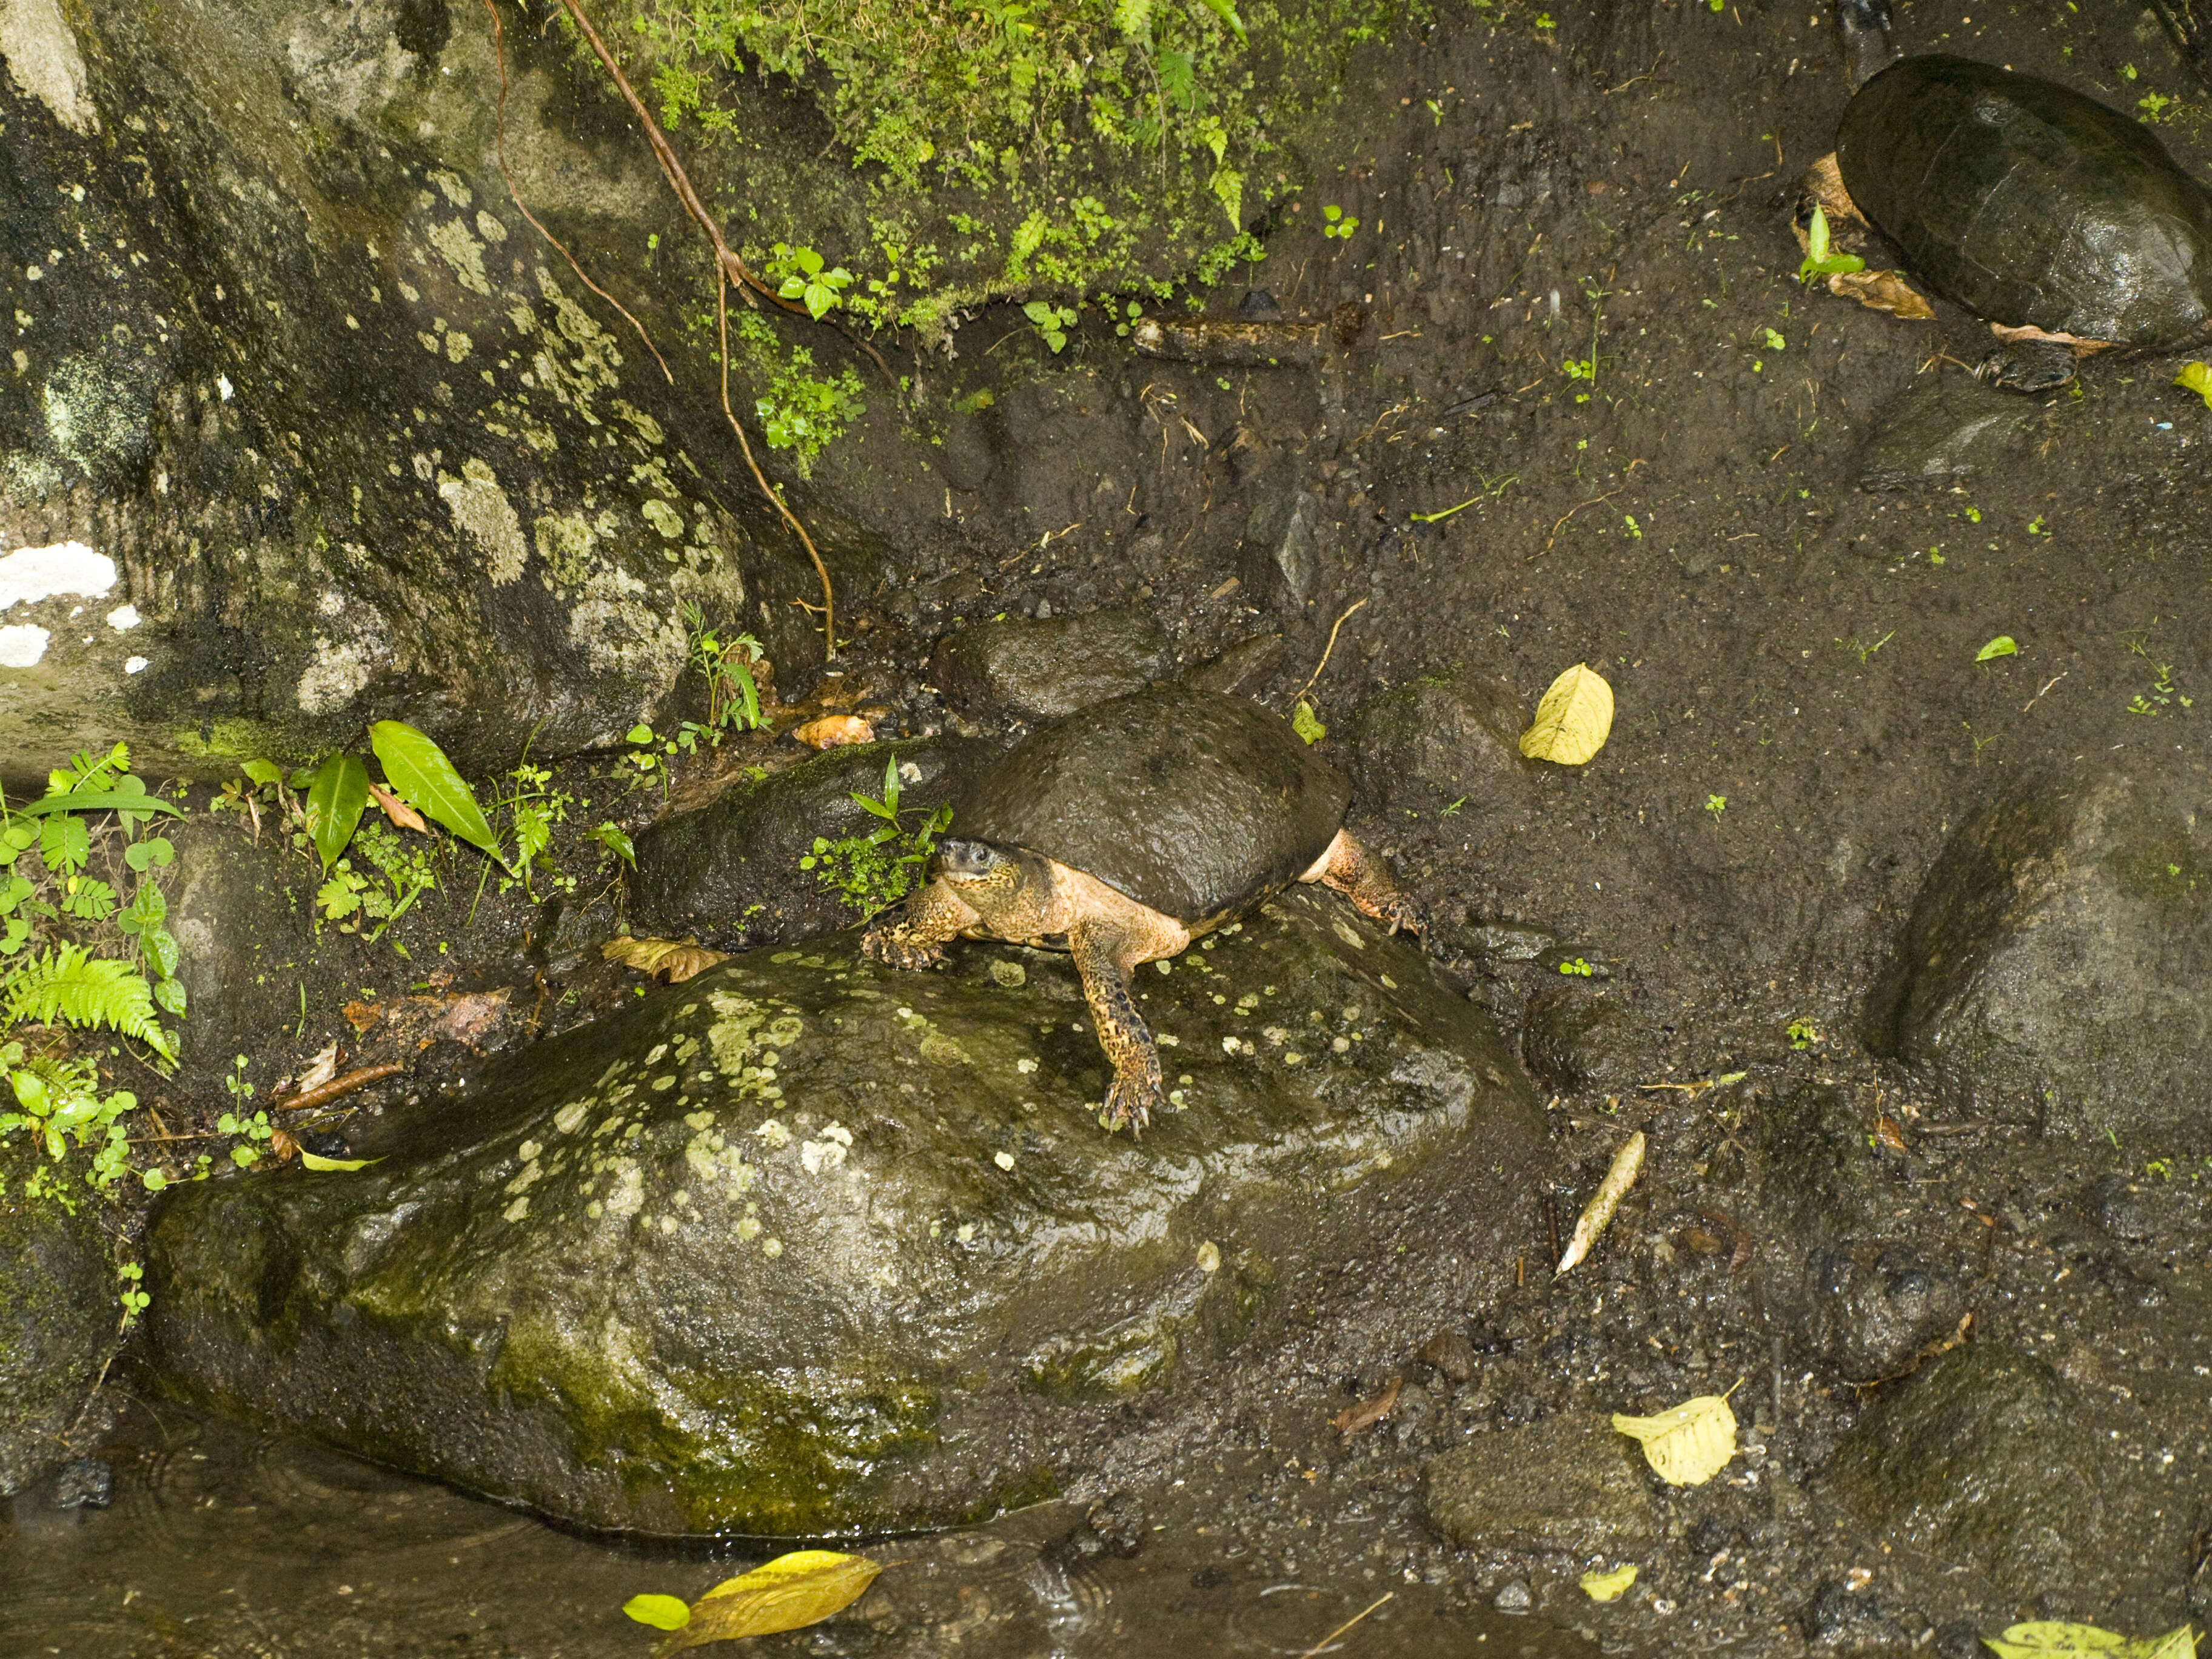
{"x": 885, "y": 946}
{"x": 1399, "y": 910}
{"x": 1130, "y": 1100}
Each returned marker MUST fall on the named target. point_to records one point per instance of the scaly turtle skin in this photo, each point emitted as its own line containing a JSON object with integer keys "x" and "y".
{"x": 2061, "y": 222}
{"x": 1126, "y": 830}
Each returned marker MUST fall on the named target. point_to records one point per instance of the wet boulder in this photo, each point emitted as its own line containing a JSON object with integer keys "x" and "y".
{"x": 2054, "y": 965}
{"x": 1041, "y": 669}
{"x": 1569, "y": 1483}
{"x": 1942, "y": 428}
{"x": 729, "y": 871}
{"x": 1445, "y": 737}
{"x": 57, "y": 1314}
{"x": 807, "y": 1246}
{"x": 1986, "y": 1458}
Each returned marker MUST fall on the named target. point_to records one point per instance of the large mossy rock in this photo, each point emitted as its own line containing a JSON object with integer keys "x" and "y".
{"x": 58, "y": 1315}
{"x": 312, "y": 425}
{"x": 806, "y": 1246}
{"x": 2054, "y": 967}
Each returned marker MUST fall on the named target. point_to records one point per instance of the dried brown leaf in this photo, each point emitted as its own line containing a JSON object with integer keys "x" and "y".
{"x": 835, "y": 731}
{"x": 1353, "y": 1418}
{"x": 1882, "y": 290}
{"x": 674, "y": 957}
{"x": 398, "y": 810}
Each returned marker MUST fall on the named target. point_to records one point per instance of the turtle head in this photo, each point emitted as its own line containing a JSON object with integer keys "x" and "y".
{"x": 1002, "y": 884}
{"x": 1862, "y": 25}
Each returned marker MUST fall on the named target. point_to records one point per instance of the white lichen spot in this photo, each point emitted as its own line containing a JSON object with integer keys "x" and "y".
{"x": 481, "y": 508}
{"x": 1348, "y": 934}
{"x": 1164, "y": 966}
{"x": 517, "y": 1210}
{"x": 1209, "y": 1257}
{"x": 828, "y": 1153}
{"x": 653, "y": 1055}
{"x": 1169, "y": 1039}
{"x": 134, "y": 664}
{"x": 124, "y": 618}
{"x": 23, "y": 646}
{"x": 334, "y": 677}
{"x": 43, "y": 58}
{"x": 965, "y": 1232}
{"x": 662, "y": 1084}
{"x": 31, "y": 574}
{"x": 224, "y": 387}
{"x": 526, "y": 1180}
{"x": 570, "y": 1118}
{"x": 489, "y": 228}
{"x": 665, "y": 518}
{"x": 1389, "y": 984}
{"x": 1004, "y": 1160}
{"x": 748, "y": 1229}
{"x": 1294, "y": 1058}
{"x": 771, "y": 1247}
{"x": 774, "y": 1134}
{"x": 1025, "y": 1066}
{"x": 667, "y": 1225}
{"x": 1338, "y": 1045}
{"x": 699, "y": 1120}
{"x": 462, "y": 252}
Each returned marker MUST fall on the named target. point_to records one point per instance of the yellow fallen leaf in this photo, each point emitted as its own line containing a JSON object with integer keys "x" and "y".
{"x": 661, "y": 1612}
{"x": 1607, "y": 1586}
{"x": 679, "y": 960}
{"x": 314, "y": 1161}
{"x": 1598, "y": 1213}
{"x": 794, "y": 1590}
{"x": 2197, "y": 378}
{"x": 1573, "y": 720}
{"x": 834, "y": 731}
{"x": 2049, "y": 1638}
{"x": 1687, "y": 1445}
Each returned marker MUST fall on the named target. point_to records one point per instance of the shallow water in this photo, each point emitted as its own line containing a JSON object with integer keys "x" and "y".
{"x": 221, "y": 1540}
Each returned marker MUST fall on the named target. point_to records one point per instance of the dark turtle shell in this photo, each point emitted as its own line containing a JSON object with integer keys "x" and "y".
{"x": 1196, "y": 804}
{"x": 2029, "y": 203}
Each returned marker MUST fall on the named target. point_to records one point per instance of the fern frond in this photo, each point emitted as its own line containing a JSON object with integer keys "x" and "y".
{"x": 66, "y": 985}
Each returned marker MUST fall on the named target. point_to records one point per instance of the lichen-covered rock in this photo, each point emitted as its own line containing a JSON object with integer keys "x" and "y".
{"x": 1984, "y": 1459}
{"x": 1042, "y": 669}
{"x": 2054, "y": 966}
{"x": 1569, "y": 1483}
{"x": 57, "y": 1317}
{"x": 806, "y": 1246}
{"x": 305, "y": 423}
{"x": 730, "y": 870}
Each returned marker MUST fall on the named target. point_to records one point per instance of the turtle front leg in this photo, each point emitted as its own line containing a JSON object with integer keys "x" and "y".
{"x": 1352, "y": 871}
{"x": 913, "y": 934}
{"x": 1103, "y": 957}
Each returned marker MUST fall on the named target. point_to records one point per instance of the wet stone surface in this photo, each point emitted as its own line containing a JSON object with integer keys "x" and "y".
{"x": 1568, "y": 1484}
{"x": 1041, "y": 669}
{"x": 58, "y": 1318}
{"x": 804, "y": 1246}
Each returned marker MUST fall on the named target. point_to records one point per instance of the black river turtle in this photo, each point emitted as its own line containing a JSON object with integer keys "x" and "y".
{"x": 1122, "y": 832}
{"x": 2063, "y": 224}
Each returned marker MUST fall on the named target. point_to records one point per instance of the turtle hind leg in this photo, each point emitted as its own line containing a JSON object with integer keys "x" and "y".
{"x": 914, "y": 933}
{"x": 2027, "y": 365}
{"x": 1350, "y": 869}
{"x": 1103, "y": 957}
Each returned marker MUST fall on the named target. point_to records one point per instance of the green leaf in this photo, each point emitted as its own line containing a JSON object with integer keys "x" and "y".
{"x": 66, "y": 844}
{"x": 97, "y": 800}
{"x": 2002, "y": 645}
{"x": 1227, "y": 14}
{"x": 426, "y": 780}
{"x": 263, "y": 772}
{"x": 67, "y": 985}
{"x": 170, "y": 994}
{"x": 335, "y": 800}
{"x": 1306, "y": 723}
{"x": 92, "y": 901}
{"x": 661, "y": 1612}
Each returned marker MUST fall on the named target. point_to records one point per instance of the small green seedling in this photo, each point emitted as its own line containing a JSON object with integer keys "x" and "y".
{"x": 1341, "y": 224}
{"x": 1820, "y": 259}
{"x": 1717, "y": 804}
{"x": 1802, "y": 1034}
{"x": 2003, "y": 646}
{"x": 798, "y": 275}
{"x": 1051, "y": 322}
{"x": 1576, "y": 967}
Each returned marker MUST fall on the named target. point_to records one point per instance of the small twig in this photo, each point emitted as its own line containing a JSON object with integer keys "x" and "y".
{"x": 499, "y": 57}
{"x": 2047, "y": 684}
{"x": 1325, "y": 650}
{"x": 829, "y": 599}
{"x": 1322, "y": 1646}
{"x": 1561, "y": 523}
{"x": 325, "y": 1093}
